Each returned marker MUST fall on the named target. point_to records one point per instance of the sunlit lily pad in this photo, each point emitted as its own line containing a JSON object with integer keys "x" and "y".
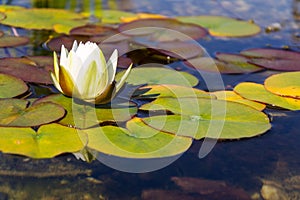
{"x": 275, "y": 59}
{"x": 43, "y": 18}
{"x": 27, "y": 69}
{"x": 202, "y": 117}
{"x": 157, "y": 75}
{"x": 175, "y": 91}
{"x": 257, "y": 92}
{"x": 49, "y": 141}
{"x": 226, "y": 64}
{"x": 12, "y": 41}
{"x": 5, "y": 8}
{"x": 110, "y": 16}
{"x": 11, "y": 86}
{"x": 142, "y": 16}
{"x": 284, "y": 84}
{"x": 86, "y": 115}
{"x": 223, "y": 26}
{"x": 117, "y": 141}
{"x": 159, "y": 29}
{"x": 232, "y": 96}
{"x": 15, "y": 112}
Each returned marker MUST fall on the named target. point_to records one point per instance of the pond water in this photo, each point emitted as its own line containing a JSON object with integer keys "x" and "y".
{"x": 271, "y": 160}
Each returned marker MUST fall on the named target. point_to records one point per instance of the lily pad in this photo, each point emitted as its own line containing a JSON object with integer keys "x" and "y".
{"x": 15, "y": 112}
{"x": 55, "y": 43}
{"x": 43, "y": 18}
{"x": 175, "y": 91}
{"x": 11, "y": 86}
{"x": 117, "y": 141}
{"x": 27, "y": 69}
{"x": 232, "y": 96}
{"x": 12, "y": 41}
{"x": 110, "y": 16}
{"x": 157, "y": 75}
{"x": 86, "y": 115}
{"x": 274, "y": 59}
{"x": 93, "y": 30}
{"x": 50, "y": 140}
{"x": 5, "y": 8}
{"x": 284, "y": 84}
{"x": 257, "y": 92}
{"x": 202, "y": 117}
{"x": 159, "y": 29}
{"x": 225, "y": 64}
{"x": 223, "y": 26}
{"x": 142, "y": 16}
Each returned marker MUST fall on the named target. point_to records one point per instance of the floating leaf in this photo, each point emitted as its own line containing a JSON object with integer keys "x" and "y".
{"x": 55, "y": 43}
{"x": 27, "y": 69}
{"x": 43, "y": 18}
{"x": 156, "y": 75}
{"x": 274, "y": 59}
{"x": 15, "y": 112}
{"x": 223, "y": 26}
{"x": 1, "y": 33}
{"x": 12, "y": 41}
{"x": 284, "y": 84}
{"x": 232, "y": 96}
{"x": 202, "y": 117}
{"x": 11, "y": 86}
{"x": 175, "y": 91}
{"x": 5, "y": 8}
{"x": 93, "y": 30}
{"x": 110, "y": 16}
{"x": 162, "y": 30}
{"x": 86, "y": 115}
{"x": 50, "y": 140}
{"x": 142, "y": 16}
{"x": 257, "y": 92}
{"x": 226, "y": 64}
{"x": 117, "y": 141}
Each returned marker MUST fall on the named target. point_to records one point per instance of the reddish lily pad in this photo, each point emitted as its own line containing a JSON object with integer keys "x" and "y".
{"x": 15, "y": 112}
{"x": 12, "y": 41}
{"x": 27, "y": 69}
{"x": 93, "y": 30}
{"x": 274, "y": 59}
{"x": 1, "y": 33}
{"x": 159, "y": 29}
{"x": 11, "y": 86}
{"x": 55, "y": 43}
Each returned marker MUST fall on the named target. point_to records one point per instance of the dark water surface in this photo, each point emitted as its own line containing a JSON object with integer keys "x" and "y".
{"x": 271, "y": 159}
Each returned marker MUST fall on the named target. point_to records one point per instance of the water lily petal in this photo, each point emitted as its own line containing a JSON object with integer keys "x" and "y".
{"x": 63, "y": 56}
{"x": 66, "y": 82}
{"x": 112, "y": 66}
{"x": 56, "y": 66}
{"x": 107, "y": 95}
{"x": 55, "y": 82}
{"x": 74, "y": 64}
{"x": 75, "y": 45}
{"x": 120, "y": 84}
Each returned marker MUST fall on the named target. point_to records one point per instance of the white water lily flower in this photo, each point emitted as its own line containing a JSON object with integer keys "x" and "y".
{"x": 83, "y": 73}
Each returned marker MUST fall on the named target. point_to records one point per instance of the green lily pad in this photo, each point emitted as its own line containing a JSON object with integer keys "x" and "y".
{"x": 175, "y": 91}
{"x": 42, "y": 18}
{"x": 110, "y": 16}
{"x": 223, "y": 26}
{"x": 284, "y": 84}
{"x": 157, "y": 75}
{"x": 11, "y": 86}
{"x": 12, "y": 41}
{"x": 257, "y": 92}
{"x": 225, "y": 64}
{"x": 31, "y": 69}
{"x": 50, "y": 140}
{"x": 232, "y": 96}
{"x": 86, "y": 115}
{"x": 159, "y": 29}
{"x": 117, "y": 141}
{"x": 202, "y": 117}
{"x": 275, "y": 59}
{"x": 17, "y": 112}
{"x": 5, "y": 8}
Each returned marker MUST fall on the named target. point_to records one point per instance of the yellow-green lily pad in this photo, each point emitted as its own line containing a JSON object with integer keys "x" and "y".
{"x": 87, "y": 115}
{"x": 50, "y": 140}
{"x": 117, "y": 141}
{"x": 257, "y": 92}
{"x": 11, "y": 86}
{"x": 175, "y": 91}
{"x": 223, "y": 26}
{"x": 44, "y": 19}
{"x": 157, "y": 75}
{"x": 202, "y": 117}
{"x": 284, "y": 84}
{"x": 110, "y": 16}
{"x": 232, "y": 96}
{"x": 17, "y": 112}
